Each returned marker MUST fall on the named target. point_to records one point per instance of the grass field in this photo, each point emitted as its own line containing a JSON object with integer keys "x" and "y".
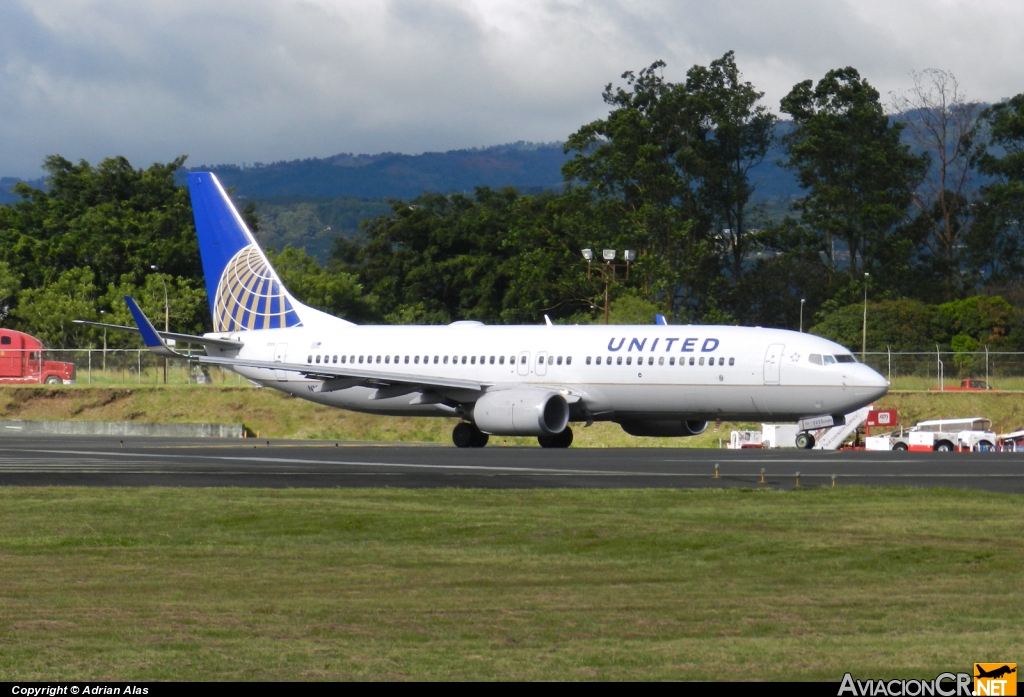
{"x": 166, "y": 584}
{"x": 275, "y": 415}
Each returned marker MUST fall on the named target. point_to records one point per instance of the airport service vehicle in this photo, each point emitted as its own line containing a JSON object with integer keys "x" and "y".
{"x": 653, "y": 380}
{"x": 940, "y": 435}
{"x": 967, "y": 386}
{"x": 23, "y": 362}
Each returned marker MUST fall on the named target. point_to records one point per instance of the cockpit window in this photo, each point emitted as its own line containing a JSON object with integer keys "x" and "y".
{"x": 845, "y": 358}
{"x": 815, "y": 358}
{"x": 829, "y": 360}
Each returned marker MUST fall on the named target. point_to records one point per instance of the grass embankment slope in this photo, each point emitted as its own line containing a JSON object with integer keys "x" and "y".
{"x": 275, "y": 415}
{"x": 235, "y": 584}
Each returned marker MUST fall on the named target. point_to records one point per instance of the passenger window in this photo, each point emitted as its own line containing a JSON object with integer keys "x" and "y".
{"x": 701, "y": 362}
{"x": 588, "y": 360}
{"x": 672, "y": 360}
{"x": 620, "y": 360}
{"x": 650, "y": 361}
{"x": 732, "y": 361}
{"x": 829, "y": 360}
{"x": 396, "y": 359}
{"x": 629, "y": 360}
{"x": 540, "y": 360}
{"x": 483, "y": 359}
{"x": 463, "y": 360}
{"x": 435, "y": 360}
{"x": 445, "y": 359}
{"x": 501, "y": 360}
{"x": 492, "y": 360}
{"x": 378, "y": 359}
{"x": 416, "y": 360}
{"x": 406, "y": 359}
{"x": 598, "y": 360}
{"x": 721, "y": 361}
{"x": 568, "y": 360}
{"x": 387, "y": 359}
{"x": 559, "y": 361}
{"x": 309, "y": 358}
{"x": 815, "y": 358}
{"x": 318, "y": 359}
{"x": 343, "y": 360}
{"x": 691, "y": 360}
{"x": 472, "y": 360}
{"x": 351, "y": 359}
{"x": 523, "y": 360}
{"x": 551, "y": 360}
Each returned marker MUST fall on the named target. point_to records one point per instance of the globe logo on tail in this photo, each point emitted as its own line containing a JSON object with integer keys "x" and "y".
{"x": 249, "y": 296}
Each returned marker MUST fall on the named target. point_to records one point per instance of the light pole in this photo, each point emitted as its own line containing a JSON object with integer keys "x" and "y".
{"x": 167, "y": 314}
{"x": 608, "y": 270}
{"x": 802, "y": 301}
{"x": 104, "y": 312}
{"x": 864, "y": 336}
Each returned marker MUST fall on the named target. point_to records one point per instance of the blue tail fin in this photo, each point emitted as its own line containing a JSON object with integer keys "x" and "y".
{"x": 244, "y": 290}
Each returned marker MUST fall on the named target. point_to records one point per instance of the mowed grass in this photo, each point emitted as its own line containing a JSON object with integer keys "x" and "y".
{"x": 235, "y": 584}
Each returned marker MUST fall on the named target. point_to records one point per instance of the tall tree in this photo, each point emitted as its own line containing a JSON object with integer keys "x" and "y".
{"x": 733, "y": 135}
{"x": 860, "y": 178}
{"x": 996, "y": 244}
{"x": 942, "y": 123}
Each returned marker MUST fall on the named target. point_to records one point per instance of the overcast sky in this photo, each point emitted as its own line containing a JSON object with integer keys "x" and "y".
{"x": 233, "y": 81}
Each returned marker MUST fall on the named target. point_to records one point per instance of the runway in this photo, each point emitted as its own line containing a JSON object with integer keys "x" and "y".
{"x": 105, "y": 461}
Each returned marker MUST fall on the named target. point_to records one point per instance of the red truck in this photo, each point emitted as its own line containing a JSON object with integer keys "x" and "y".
{"x": 23, "y": 362}
{"x": 967, "y": 386}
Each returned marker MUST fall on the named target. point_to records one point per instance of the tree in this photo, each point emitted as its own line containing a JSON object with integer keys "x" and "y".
{"x": 995, "y": 243}
{"x": 337, "y": 293}
{"x": 860, "y": 178}
{"x": 638, "y": 187}
{"x": 733, "y": 136}
{"x": 942, "y": 124}
{"x": 48, "y": 312}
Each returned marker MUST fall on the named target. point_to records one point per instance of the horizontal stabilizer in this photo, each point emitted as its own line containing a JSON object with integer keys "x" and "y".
{"x": 154, "y": 342}
{"x": 174, "y": 336}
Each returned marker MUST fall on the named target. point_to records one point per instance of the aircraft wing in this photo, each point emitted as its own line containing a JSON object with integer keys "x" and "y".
{"x": 356, "y": 375}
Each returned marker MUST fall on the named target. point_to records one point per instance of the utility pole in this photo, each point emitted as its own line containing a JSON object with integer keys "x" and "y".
{"x": 864, "y": 337}
{"x": 608, "y": 271}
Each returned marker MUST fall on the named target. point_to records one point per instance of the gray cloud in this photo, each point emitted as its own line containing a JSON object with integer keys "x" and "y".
{"x": 263, "y": 80}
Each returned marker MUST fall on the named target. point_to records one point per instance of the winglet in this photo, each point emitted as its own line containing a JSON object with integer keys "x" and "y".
{"x": 149, "y": 334}
{"x": 660, "y": 319}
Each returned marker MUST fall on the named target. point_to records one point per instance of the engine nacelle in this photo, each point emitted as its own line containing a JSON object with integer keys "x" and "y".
{"x": 664, "y": 429}
{"x": 523, "y": 412}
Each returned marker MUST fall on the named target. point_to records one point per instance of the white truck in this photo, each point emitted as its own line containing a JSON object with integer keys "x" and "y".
{"x": 939, "y": 435}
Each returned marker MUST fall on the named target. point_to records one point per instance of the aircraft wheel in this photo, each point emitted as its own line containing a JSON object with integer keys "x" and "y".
{"x": 804, "y": 441}
{"x": 558, "y": 440}
{"x": 466, "y": 435}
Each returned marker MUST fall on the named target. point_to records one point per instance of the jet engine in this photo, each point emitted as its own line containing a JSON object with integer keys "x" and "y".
{"x": 664, "y": 429}
{"x": 521, "y": 413}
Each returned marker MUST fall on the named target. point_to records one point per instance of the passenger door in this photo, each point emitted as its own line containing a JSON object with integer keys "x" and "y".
{"x": 542, "y": 363}
{"x": 772, "y": 364}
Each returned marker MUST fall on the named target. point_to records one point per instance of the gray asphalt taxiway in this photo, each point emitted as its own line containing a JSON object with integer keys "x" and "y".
{"x": 105, "y": 461}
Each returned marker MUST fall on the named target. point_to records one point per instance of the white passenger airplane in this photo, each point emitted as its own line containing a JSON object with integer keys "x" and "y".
{"x": 654, "y": 380}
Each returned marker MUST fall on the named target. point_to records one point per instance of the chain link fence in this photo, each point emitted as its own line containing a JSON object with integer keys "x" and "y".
{"x": 132, "y": 367}
{"x": 938, "y": 369}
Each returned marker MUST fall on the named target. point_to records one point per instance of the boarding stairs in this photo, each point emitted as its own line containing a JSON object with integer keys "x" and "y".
{"x": 832, "y": 438}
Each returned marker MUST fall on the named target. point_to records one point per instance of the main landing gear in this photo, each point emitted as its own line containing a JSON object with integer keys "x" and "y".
{"x": 558, "y": 440}
{"x": 467, "y": 435}
{"x": 804, "y": 441}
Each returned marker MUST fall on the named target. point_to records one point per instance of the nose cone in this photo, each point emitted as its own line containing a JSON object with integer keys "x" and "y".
{"x": 868, "y": 383}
